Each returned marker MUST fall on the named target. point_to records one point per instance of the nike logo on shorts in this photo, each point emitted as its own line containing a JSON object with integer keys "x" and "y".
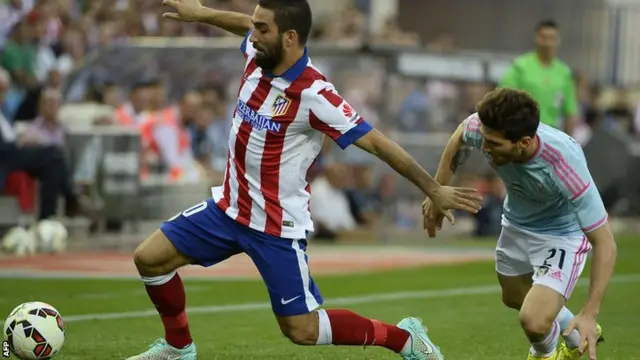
{"x": 285, "y": 302}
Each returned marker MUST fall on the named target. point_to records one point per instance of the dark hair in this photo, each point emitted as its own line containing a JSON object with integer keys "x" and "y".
{"x": 291, "y": 15}
{"x": 511, "y": 111}
{"x": 548, "y": 23}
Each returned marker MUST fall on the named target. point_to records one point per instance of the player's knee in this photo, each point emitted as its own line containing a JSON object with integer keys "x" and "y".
{"x": 156, "y": 256}
{"x": 145, "y": 262}
{"x": 301, "y": 330}
{"x": 534, "y": 324}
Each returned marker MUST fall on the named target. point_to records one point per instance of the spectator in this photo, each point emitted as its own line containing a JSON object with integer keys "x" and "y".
{"x": 488, "y": 219}
{"x": 45, "y": 129}
{"x": 131, "y": 112}
{"x": 45, "y": 163}
{"x": 11, "y": 13}
{"x": 217, "y": 131}
{"x": 330, "y": 208}
{"x": 19, "y": 56}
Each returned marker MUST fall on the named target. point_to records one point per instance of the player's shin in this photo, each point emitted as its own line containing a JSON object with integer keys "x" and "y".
{"x": 564, "y": 319}
{"x": 168, "y": 296}
{"x": 344, "y": 327}
{"x": 544, "y": 344}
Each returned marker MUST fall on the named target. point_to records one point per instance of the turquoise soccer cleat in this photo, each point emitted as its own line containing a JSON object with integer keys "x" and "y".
{"x": 160, "y": 350}
{"x": 421, "y": 347}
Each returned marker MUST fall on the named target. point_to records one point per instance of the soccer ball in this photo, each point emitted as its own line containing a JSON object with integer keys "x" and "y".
{"x": 34, "y": 330}
{"x": 52, "y": 236}
{"x": 19, "y": 242}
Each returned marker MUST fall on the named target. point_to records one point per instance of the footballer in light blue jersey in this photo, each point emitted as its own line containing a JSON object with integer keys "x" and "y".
{"x": 553, "y": 217}
{"x": 552, "y": 192}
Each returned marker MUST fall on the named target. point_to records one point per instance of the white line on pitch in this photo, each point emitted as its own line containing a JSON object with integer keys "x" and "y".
{"x": 373, "y": 298}
{"x": 115, "y": 294}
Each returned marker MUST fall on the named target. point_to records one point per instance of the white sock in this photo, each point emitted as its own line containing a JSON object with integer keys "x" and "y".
{"x": 547, "y": 346}
{"x": 324, "y": 328}
{"x": 564, "y": 319}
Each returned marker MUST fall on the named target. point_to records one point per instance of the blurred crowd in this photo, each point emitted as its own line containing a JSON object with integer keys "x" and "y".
{"x": 184, "y": 138}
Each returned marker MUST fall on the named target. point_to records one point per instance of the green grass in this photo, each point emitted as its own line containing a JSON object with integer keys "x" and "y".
{"x": 473, "y": 327}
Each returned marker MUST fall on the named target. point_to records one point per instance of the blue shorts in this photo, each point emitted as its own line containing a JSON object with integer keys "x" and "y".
{"x": 207, "y": 235}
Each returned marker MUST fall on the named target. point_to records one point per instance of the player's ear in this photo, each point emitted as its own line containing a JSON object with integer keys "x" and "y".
{"x": 291, "y": 38}
{"x": 525, "y": 142}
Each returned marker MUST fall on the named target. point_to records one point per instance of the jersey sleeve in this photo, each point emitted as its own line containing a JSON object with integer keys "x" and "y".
{"x": 572, "y": 177}
{"x": 330, "y": 114}
{"x": 246, "y": 47}
{"x": 471, "y": 135}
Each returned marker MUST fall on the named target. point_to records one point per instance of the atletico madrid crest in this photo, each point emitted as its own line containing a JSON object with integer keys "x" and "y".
{"x": 280, "y": 106}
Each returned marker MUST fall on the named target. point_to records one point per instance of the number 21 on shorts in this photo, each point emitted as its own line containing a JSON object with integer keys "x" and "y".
{"x": 555, "y": 256}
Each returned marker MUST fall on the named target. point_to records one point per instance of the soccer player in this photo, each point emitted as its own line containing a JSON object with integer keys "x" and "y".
{"x": 553, "y": 215}
{"x": 547, "y": 79}
{"x": 285, "y": 107}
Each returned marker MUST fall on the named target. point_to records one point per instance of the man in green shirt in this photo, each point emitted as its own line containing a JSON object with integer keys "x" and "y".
{"x": 546, "y": 78}
{"x": 19, "y": 56}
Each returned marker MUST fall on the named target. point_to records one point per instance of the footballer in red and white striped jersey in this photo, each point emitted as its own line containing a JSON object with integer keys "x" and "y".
{"x": 278, "y": 129}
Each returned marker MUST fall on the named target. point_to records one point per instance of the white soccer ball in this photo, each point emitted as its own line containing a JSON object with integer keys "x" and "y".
{"x": 34, "y": 330}
{"x": 52, "y": 236}
{"x": 19, "y": 242}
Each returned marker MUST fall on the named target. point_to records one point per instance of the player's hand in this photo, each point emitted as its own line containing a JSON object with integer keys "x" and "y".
{"x": 432, "y": 218}
{"x": 446, "y": 198}
{"x": 586, "y": 326}
{"x": 185, "y": 10}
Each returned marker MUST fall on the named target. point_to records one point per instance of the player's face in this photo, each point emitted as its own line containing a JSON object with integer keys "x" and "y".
{"x": 548, "y": 39}
{"x": 501, "y": 150}
{"x": 266, "y": 39}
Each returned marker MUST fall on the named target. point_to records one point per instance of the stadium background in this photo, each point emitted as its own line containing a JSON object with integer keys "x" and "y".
{"x": 414, "y": 68}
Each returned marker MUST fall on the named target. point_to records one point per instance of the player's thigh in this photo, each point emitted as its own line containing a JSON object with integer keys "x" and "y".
{"x": 203, "y": 233}
{"x": 540, "y": 308}
{"x": 283, "y": 265}
{"x": 558, "y": 262}
{"x": 515, "y": 289}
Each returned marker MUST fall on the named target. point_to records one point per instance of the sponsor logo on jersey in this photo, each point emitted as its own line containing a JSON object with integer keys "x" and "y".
{"x": 257, "y": 121}
{"x": 350, "y": 113}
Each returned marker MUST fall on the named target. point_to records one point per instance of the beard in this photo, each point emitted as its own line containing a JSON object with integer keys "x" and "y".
{"x": 270, "y": 56}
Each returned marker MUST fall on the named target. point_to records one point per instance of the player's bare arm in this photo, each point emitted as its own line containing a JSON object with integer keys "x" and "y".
{"x": 444, "y": 197}
{"x": 194, "y": 11}
{"x": 603, "y": 263}
{"x": 450, "y": 160}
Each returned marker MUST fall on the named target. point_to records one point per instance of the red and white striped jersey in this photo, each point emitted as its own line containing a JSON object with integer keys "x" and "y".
{"x": 277, "y": 133}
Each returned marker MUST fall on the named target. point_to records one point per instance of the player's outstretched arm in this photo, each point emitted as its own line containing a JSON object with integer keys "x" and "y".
{"x": 602, "y": 266}
{"x": 444, "y": 197}
{"x": 194, "y": 11}
{"x": 571, "y": 176}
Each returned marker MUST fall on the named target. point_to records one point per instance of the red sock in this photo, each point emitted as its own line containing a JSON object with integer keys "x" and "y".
{"x": 170, "y": 301}
{"x": 349, "y": 328}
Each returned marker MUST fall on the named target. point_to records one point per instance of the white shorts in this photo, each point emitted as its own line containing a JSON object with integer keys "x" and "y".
{"x": 555, "y": 261}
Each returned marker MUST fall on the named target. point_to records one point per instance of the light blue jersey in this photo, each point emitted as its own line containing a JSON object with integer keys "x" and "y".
{"x": 553, "y": 193}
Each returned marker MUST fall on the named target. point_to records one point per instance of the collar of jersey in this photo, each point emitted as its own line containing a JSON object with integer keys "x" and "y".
{"x": 294, "y": 72}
